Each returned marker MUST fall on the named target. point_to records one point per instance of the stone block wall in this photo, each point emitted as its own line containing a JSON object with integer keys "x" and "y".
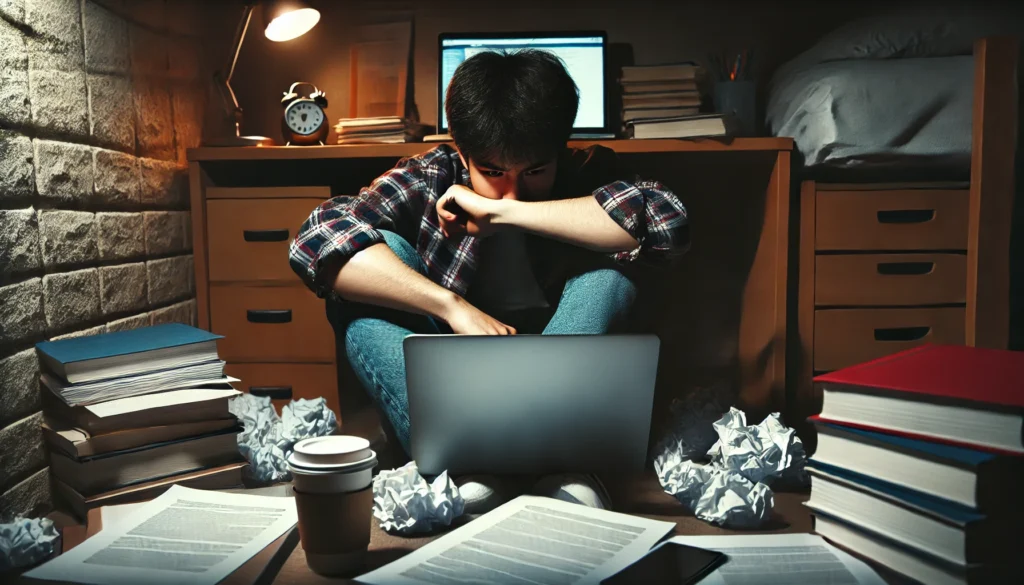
{"x": 98, "y": 102}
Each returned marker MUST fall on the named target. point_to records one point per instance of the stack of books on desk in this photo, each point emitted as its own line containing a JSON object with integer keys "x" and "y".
{"x": 382, "y": 130}
{"x": 920, "y": 460}
{"x": 128, "y": 414}
{"x": 652, "y": 94}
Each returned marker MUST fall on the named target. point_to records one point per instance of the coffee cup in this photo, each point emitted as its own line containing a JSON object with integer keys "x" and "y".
{"x": 333, "y": 487}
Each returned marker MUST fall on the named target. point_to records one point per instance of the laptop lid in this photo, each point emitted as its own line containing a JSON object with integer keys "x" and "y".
{"x": 530, "y": 403}
{"x": 584, "y": 53}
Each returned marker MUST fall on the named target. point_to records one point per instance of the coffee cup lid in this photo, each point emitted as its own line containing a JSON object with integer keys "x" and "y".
{"x": 331, "y": 450}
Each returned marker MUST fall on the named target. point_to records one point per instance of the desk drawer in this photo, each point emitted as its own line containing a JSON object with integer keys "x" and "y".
{"x": 287, "y": 382}
{"x": 890, "y": 279}
{"x": 844, "y": 337}
{"x": 923, "y": 219}
{"x": 249, "y": 238}
{"x": 270, "y": 323}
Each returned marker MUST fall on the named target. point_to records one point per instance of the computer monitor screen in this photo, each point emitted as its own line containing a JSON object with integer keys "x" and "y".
{"x": 583, "y": 53}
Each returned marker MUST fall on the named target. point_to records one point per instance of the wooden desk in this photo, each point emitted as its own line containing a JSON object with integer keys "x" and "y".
{"x": 721, "y": 313}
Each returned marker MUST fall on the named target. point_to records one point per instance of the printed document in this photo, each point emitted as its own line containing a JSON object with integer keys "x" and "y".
{"x": 529, "y": 540}
{"x": 782, "y": 559}
{"x": 184, "y": 536}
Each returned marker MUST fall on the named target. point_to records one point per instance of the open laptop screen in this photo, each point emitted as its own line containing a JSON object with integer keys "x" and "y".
{"x": 583, "y": 53}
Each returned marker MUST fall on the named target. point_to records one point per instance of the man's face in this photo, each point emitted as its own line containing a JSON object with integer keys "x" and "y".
{"x": 530, "y": 181}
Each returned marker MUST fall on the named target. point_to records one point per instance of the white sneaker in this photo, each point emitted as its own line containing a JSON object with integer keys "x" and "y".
{"x": 483, "y": 493}
{"x": 575, "y": 488}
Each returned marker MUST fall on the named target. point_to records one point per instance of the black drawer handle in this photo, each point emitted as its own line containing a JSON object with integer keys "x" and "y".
{"x": 269, "y": 316}
{"x": 265, "y": 235}
{"x": 901, "y": 333}
{"x": 906, "y": 215}
{"x": 274, "y": 392}
{"x": 905, "y": 268}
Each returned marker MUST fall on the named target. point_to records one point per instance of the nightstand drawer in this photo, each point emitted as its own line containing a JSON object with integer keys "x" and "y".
{"x": 287, "y": 382}
{"x": 844, "y": 337}
{"x": 924, "y": 219}
{"x": 270, "y": 323}
{"x": 249, "y": 238}
{"x": 890, "y": 279}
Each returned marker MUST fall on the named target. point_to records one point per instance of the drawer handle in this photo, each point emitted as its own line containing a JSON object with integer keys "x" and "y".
{"x": 269, "y": 316}
{"x": 906, "y": 215}
{"x": 905, "y": 268}
{"x": 901, "y": 333}
{"x": 265, "y": 235}
{"x": 274, "y": 392}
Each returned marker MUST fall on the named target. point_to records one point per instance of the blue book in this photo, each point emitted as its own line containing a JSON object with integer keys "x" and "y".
{"x": 125, "y": 353}
{"x": 931, "y": 526}
{"x": 973, "y": 479}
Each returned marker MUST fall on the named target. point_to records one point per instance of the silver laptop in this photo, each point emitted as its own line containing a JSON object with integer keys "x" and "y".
{"x": 530, "y": 403}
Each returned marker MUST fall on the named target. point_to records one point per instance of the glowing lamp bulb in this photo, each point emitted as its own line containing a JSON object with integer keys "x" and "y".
{"x": 292, "y": 24}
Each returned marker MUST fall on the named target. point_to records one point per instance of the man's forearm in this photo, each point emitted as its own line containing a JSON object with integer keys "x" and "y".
{"x": 580, "y": 221}
{"x": 377, "y": 276}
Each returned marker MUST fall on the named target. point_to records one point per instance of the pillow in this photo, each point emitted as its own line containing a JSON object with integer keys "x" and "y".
{"x": 908, "y": 32}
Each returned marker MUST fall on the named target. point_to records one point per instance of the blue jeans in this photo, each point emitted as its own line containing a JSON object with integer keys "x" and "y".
{"x": 591, "y": 303}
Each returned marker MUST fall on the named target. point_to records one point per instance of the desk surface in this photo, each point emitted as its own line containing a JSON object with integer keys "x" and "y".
{"x": 639, "y": 496}
{"x": 242, "y": 153}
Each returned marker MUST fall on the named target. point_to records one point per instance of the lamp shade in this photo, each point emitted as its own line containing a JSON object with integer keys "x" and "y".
{"x": 288, "y": 19}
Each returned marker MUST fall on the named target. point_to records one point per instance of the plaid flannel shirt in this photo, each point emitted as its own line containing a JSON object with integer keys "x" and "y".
{"x": 403, "y": 201}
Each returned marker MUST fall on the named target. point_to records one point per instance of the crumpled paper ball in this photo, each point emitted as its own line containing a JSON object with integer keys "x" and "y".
{"x": 732, "y": 489}
{"x": 26, "y": 541}
{"x": 267, "y": 440}
{"x": 405, "y": 503}
{"x": 761, "y": 452}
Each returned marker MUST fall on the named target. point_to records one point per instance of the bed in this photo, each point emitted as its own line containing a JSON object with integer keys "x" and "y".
{"x": 888, "y": 96}
{"x": 903, "y": 117}
{"x": 906, "y": 128}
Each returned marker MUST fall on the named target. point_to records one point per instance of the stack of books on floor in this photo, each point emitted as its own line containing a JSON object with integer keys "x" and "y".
{"x": 920, "y": 460}
{"x": 664, "y": 101}
{"x": 131, "y": 413}
{"x": 383, "y": 130}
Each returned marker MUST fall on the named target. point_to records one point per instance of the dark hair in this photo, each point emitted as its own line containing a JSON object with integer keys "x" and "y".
{"x": 511, "y": 107}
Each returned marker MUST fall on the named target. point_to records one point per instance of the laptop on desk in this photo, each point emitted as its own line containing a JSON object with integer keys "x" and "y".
{"x": 530, "y": 404}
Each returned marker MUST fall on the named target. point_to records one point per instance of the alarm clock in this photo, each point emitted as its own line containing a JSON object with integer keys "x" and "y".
{"x": 304, "y": 121}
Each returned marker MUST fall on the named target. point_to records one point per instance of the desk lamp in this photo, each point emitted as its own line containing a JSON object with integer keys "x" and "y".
{"x": 286, "y": 20}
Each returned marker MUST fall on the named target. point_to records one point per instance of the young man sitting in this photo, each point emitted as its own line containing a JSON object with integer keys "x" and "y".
{"x": 509, "y": 232}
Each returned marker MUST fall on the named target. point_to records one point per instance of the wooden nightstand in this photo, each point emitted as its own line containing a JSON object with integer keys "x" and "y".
{"x": 886, "y": 267}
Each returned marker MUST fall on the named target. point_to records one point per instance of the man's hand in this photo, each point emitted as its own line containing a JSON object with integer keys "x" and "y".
{"x": 466, "y": 319}
{"x": 461, "y": 211}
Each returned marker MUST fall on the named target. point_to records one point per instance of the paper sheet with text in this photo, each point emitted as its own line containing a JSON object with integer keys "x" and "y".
{"x": 529, "y": 540}
{"x": 184, "y": 536}
{"x": 781, "y": 559}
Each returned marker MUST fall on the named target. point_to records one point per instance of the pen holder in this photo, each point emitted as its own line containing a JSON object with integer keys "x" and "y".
{"x": 737, "y": 99}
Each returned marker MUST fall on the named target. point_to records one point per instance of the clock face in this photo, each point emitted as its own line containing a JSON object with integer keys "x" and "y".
{"x": 304, "y": 117}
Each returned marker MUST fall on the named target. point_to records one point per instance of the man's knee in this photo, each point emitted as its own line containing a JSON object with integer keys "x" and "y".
{"x": 403, "y": 249}
{"x": 606, "y": 283}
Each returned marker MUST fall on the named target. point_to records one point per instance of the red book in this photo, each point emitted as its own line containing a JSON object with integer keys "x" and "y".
{"x": 955, "y": 394}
